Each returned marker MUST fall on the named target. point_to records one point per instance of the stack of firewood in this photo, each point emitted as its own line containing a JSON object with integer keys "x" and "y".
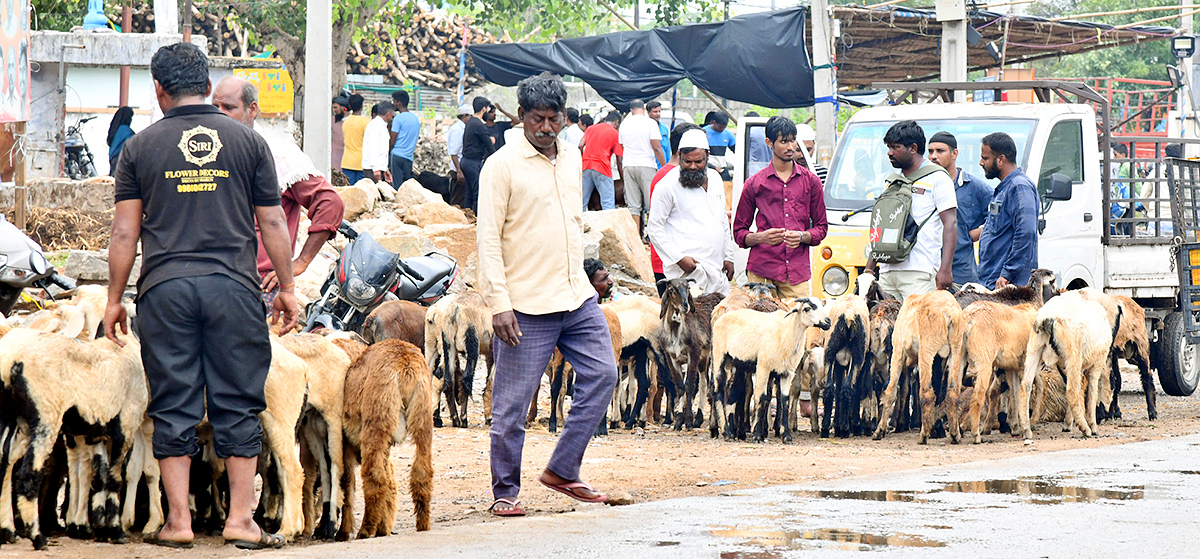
{"x": 426, "y": 52}
{"x": 225, "y": 38}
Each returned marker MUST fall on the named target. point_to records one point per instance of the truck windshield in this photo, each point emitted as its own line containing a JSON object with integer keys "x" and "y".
{"x": 860, "y": 165}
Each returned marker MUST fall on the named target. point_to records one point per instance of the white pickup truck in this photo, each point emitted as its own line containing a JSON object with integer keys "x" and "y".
{"x": 1063, "y": 147}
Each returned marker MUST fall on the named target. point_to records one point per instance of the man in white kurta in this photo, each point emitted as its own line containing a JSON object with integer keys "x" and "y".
{"x": 688, "y": 225}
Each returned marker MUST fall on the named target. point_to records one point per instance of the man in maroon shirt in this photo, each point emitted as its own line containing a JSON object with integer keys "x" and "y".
{"x": 786, "y": 203}
{"x": 302, "y": 185}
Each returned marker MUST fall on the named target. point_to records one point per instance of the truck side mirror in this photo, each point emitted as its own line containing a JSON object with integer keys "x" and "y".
{"x": 1059, "y": 188}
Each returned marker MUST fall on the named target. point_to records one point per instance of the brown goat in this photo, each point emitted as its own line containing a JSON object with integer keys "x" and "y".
{"x": 994, "y": 338}
{"x": 562, "y": 376}
{"x": 399, "y": 320}
{"x": 926, "y": 334}
{"x": 388, "y": 399}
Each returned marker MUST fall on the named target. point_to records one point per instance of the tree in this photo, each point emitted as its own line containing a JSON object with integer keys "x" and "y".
{"x": 1144, "y": 60}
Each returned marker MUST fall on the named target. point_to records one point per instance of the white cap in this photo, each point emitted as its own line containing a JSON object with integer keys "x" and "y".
{"x": 693, "y": 139}
{"x": 805, "y": 133}
{"x": 464, "y": 109}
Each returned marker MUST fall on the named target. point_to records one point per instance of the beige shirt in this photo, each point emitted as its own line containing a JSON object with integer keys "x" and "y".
{"x": 530, "y": 230}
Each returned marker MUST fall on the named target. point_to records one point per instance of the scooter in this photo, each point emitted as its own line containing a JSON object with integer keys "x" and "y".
{"x": 22, "y": 265}
{"x": 367, "y": 275}
{"x": 79, "y": 163}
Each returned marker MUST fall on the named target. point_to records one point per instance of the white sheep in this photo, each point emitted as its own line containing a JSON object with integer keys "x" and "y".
{"x": 458, "y": 331}
{"x": 94, "y": 390}
{"x": 1074, "y": 335}
{"x": 753, "y": 353}
{"x": 925, "y": 335}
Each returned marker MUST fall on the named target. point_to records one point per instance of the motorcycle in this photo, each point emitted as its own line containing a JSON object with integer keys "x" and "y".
{"x": 79, "y": 163}
{"x": 22, "y": 265}
{"x": 367, "y": 275}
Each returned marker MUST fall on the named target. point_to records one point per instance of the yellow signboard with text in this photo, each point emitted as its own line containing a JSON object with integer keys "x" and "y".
{"x": 275, "y": 92}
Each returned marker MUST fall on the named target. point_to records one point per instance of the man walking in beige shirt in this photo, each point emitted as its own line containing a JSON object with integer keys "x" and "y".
{"x": 530, "y": 238}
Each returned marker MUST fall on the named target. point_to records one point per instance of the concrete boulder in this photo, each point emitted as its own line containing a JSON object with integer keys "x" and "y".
{"x": 91, "y": 266}
{"x": 396, "y": 236}
{"x": 358, "y": 198}
{"x": 411, "y": 193}
{"x": 618, "y": 243}
{"x": 433, "y": 213}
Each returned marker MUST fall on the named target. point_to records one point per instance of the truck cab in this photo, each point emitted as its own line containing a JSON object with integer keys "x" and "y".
{"x": 1111, "y": 229}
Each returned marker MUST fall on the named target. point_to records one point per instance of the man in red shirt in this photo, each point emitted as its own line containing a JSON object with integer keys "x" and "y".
{"x": 599, "y": 145}
{"x": 302, "y": 185}
{"x": 656, "y": 263}
{"x": 786, "y": 203}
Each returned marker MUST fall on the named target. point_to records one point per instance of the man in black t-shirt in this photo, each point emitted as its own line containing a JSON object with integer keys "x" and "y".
{"x": 477, "y": 145}
{"x": 190, "y": 187}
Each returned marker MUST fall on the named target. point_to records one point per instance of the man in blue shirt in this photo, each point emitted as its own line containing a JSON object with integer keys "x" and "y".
{"x": 406, "y": 127}
{"x": 1008, "y": 249}
{"x": 654, "y": 111}
{"x": 721, "y": 142}
{"x": 973, "y": 196}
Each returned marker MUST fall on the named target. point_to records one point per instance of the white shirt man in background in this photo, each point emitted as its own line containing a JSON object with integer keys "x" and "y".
{"x": 687, "y": 223}
{"x": 454, "y": 141}
{"x": 574, "y": 130}
{"x": 377, "y": 143}
{"x": 640, "y": 140}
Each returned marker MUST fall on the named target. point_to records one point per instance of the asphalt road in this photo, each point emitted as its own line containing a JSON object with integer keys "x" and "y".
{"x": 1125, "y": 500}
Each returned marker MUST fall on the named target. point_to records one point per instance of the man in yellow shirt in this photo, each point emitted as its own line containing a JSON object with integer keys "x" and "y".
{"x": 530, "y": 238}
{"x": 354, "y": 127}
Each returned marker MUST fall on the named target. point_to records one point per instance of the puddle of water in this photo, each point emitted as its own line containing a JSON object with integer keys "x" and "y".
{"x": 790, "y": 538}
{"x": 1037, "y": 490}
{"x": 1045, "y": 491}
{"x": 895, "y": 496}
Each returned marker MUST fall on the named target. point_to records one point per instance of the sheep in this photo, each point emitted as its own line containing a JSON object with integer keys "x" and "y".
{"x": 639, "y": 320}
{"x": 88, "y": 391}
{"x": 754, "y": 352}
{"x": 925, "y": 333}
{"x": 1130, "y": 341}
{"x": 742, "y": 297}
{"x": 561, "y": 376}
{"x": 1040, "y": 289}
{"x": 320, "y": 427}
{"x": 1074, "y": 335}
{"x": 845, "y": 363}
{"x": 402, "y": 320}
{"x": 684, "y": 339}
{"x": 812, "y": 370}
{"x": 994, "y": 338}
{"x": 286, "y": 390}
{"x": 388, "y": 399}
{"x": 458, "y": 330}
{"x": 879, "y": 355}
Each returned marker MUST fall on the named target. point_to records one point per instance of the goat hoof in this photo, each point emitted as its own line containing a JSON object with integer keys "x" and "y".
{"x": 923, "y": 440}
{"x": 79, "y": 532}
{"x": 342, "y": 536}
{"x": 1152, "y": 415}
{"x": 8, "y": 536}
{"x": 39, "y": 542}
{"x": 325, "y": 531}
{"x": 437, "y": 422}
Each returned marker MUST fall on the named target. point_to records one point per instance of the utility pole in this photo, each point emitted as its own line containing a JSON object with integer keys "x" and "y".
{"x": 637, "y": 13}
{"x": 318, "y": 82}
{"x": 823, "y": 81}
{"x": 1185, "y": 69}
{"x": 953, "y": 15}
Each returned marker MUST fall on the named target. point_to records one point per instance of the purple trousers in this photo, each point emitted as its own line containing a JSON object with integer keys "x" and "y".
{"x": 583, "y": 338}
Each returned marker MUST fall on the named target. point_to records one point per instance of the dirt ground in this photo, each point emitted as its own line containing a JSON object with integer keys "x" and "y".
{"x": 655, "y": 464}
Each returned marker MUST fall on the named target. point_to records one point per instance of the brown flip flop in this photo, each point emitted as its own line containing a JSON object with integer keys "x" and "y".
{"x": 514, "y": 507}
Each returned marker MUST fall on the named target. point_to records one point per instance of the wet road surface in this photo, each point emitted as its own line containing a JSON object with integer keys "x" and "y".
{"x": 1134, "y": 499}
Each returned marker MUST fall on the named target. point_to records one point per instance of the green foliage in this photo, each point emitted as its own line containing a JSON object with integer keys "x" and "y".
{"x": 545, "y": 20}
{"x": 1145, "y": 60}
{"x": 57, "y": 15}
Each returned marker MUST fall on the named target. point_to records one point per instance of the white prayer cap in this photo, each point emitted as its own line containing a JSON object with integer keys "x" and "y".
{"x": 693, "y": 139}
{"x": 805, "y": 133}
{"x": 464, "y": 109}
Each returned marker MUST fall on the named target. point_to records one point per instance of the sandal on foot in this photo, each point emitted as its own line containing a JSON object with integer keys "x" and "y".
{"x": 156, "y": 539}
{"x": 266, "y": 540}
{"x": 571, "y": 489}
{"x": 513, "y": 509}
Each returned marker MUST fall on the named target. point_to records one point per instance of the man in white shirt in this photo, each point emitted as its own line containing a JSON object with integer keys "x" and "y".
{"x": 377, "y": 143}
{"x": 573, "y": 132}
{"x": 640, "y": 140}
{"x": 930, "y": 265}
{"x": 454, "y": 141}
{"x": 687, "y": 223}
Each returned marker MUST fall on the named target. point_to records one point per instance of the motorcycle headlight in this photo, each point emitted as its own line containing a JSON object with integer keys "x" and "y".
{"x": 835, "y": 281}
{"x": 38, "y": 263}
{"x": 359, "y": 290}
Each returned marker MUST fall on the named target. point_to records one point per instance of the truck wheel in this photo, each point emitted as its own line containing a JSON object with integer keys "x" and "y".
{"x": 1178, "y": 362}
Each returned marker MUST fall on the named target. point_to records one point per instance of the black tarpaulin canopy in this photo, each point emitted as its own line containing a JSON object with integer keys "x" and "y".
{"x": 760, "y": 59}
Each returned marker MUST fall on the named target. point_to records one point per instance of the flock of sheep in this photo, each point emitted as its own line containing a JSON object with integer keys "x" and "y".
{"x": 73, "y": 404}
{"x": 73, "y": 413}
